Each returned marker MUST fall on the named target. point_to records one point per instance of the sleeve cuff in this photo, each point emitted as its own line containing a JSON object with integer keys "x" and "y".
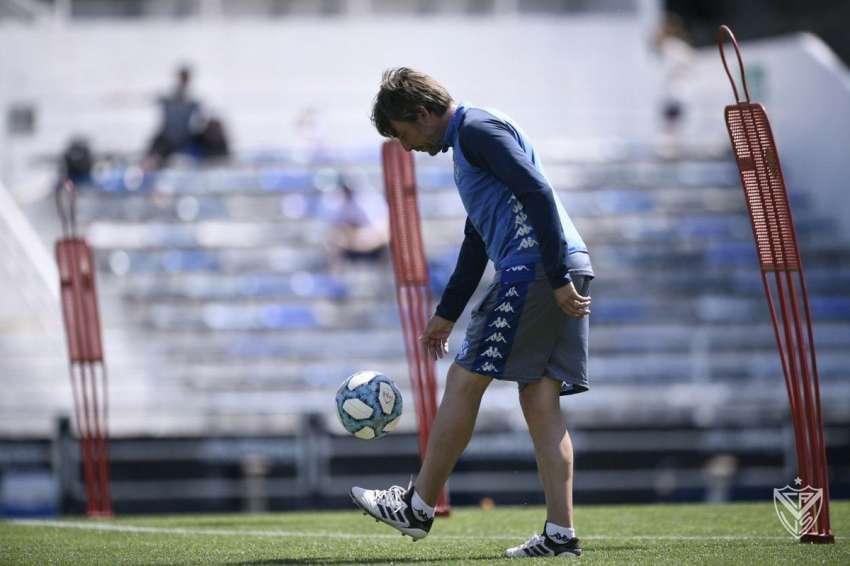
{"x": 444, "y": 313}
{"x": 559, "y": 280}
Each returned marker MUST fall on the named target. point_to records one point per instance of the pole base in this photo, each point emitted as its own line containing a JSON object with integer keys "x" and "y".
{"x": 443, "y": 508}
{"x": 817, "y": 538}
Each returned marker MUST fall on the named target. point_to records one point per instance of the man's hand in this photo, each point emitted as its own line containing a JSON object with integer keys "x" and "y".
{"x": 571, "y": 302}
{"x": 435, "y": 338}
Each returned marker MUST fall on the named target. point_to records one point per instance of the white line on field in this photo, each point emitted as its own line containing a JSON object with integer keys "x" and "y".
{"x": 94, "y": 526}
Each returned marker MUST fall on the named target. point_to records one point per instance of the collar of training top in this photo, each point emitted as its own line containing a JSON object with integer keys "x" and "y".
{"x": 451, "y": 129}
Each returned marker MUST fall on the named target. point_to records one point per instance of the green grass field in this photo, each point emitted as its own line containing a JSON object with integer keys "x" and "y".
{"x": 634, "y": 534}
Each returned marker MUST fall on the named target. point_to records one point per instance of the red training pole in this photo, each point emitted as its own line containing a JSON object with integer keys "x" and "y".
{"x": 776, "y": 245}
{"x": 412, "y": 288}
{"x": 85, "y": 354}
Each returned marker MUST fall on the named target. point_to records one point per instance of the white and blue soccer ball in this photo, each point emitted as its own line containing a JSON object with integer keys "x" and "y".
{"x": 368, "y": 404}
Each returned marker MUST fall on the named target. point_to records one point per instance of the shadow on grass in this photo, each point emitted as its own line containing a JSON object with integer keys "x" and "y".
{"x": 387, "y": 560}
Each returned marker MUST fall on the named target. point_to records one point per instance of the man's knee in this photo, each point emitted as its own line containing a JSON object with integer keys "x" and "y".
{"x": 540, "y": 396}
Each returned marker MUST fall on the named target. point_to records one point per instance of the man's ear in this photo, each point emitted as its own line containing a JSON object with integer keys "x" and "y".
{"x": 422, "y": 114}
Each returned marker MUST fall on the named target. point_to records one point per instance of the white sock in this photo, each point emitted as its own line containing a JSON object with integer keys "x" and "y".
{"x": 559, "y": 533}
{"x": 420, "y": 505}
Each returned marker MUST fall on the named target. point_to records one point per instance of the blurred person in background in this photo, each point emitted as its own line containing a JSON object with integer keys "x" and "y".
{"x": 77, "y": 162}
{"x": 357, "y": 231}
{"x": 180, "y": 122}
{"x": 212, "y": 140}
{"x": 677, "y": 61}
{"x": 530, "y": 329}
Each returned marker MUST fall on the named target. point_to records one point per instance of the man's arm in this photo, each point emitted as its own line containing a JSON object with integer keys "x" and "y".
{"x": 471, "y": 262}
{"x": 470, "y": 266}
{"x": 490, "y": 144}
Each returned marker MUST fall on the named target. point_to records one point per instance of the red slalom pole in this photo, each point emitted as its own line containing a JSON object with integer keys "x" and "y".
{"x": 103, "y": 437}
{"x": 778, "y": 253}
{"x": 85, "y": 353}
{"x": 411, "y": 349}
{"x": 412, "y": 288}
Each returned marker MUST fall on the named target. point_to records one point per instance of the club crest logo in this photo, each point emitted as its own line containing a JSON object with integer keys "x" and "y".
{"x": 797, "y": 509}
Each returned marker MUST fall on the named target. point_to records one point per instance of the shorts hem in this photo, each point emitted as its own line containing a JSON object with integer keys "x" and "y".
{"x": 567, "y": 387}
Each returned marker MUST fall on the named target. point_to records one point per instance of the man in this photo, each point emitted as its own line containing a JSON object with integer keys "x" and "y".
{"x": 532, "y": 326}
{"x": 180, "y": 121}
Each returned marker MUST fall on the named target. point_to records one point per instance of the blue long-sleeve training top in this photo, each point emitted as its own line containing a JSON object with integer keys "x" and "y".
{"x": 514, "y": 216}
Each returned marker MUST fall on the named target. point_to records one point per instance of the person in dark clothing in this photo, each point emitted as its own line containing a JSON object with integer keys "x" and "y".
{"x": 180, "y": 122}
{"x": 77, "y": 161}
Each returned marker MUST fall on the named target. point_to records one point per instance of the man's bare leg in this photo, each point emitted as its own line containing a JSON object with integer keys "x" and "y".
{"x": 451, "y": 430}
{"x": 553, "y": 448}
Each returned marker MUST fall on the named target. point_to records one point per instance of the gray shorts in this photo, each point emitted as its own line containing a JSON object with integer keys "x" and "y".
{"x": 519, "y": 333}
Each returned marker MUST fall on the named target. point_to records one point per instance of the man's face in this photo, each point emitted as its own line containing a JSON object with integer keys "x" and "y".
{"x": 423, "y": 134}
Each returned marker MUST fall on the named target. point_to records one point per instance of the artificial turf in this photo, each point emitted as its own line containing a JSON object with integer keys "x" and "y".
{"x": 739, "y": 533}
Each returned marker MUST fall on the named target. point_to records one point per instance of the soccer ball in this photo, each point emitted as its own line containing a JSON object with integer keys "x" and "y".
{"x": 368, "y": 404}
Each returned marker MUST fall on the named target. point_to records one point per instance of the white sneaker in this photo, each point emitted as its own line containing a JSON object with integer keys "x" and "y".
{"x": 542, "y": 545}
{"x": 393, "y": 506}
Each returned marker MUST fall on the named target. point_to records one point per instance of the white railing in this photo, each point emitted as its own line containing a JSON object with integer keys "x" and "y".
{"x": 19, "y": 232}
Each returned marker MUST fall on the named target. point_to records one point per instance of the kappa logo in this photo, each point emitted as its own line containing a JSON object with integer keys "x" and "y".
{"x": 419, "y": 513}
{"x": 505, "y": 307}
{"x": 527, "y": 243}
{"x": 523, "y": 230}
{"x": 496, "y": 337}
{"x": 520, "y": 219}
{"x": 798, "y": 509}
{"x": 517, "y": 208}
{"x": 518, "y": 268}
{"x": 512, "y": 292}
{"x": 487, "y": 366}
{"x": 558, "y": 537}
{"x": 500, "y": 323}
{"x": 492, "y": 352}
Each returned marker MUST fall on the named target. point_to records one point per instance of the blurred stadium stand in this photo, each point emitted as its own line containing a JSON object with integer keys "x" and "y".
{"x": 227, "y": 332}
{"x": 232, "y": 325}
